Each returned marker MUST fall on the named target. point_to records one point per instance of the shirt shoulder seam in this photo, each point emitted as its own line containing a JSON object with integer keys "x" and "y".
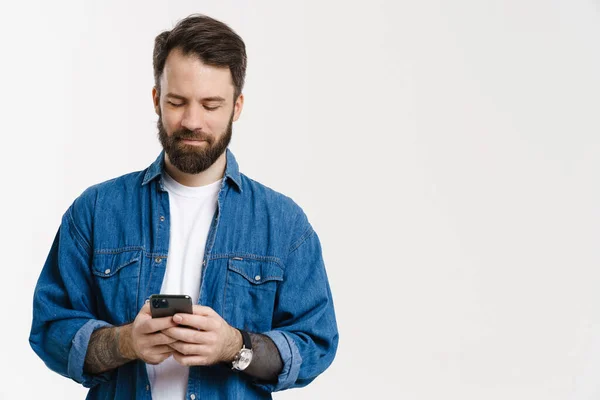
{"x": 76, "y": 234}
{"x": 307, "y": 233}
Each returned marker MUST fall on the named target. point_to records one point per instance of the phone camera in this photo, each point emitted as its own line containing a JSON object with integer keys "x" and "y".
{"x": 160, "y": 303}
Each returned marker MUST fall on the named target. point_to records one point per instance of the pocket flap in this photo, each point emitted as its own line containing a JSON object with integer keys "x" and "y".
{"x": 255, "y": 271}
{"x": 108, "y": 264}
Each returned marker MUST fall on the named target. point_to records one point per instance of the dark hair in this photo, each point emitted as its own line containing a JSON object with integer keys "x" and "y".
{"x": 212, "y": 41}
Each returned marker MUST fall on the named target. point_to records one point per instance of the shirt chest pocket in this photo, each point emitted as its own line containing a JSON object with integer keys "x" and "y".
{"x": 116, "y": 276}
{"x": 250, "y": 293}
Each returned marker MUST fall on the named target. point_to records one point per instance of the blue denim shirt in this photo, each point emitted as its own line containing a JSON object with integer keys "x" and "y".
{"x": 109, "y": 255}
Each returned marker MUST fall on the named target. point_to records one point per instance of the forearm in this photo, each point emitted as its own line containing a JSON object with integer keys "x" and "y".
{"x": 266, "y": 362}
{"x": 108, "y": 349}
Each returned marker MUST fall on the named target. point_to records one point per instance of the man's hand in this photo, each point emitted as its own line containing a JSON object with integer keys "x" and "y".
{"x": 143, "y": 338}
{"x": 109, "y": 348}
{"x": 212, "y": 340}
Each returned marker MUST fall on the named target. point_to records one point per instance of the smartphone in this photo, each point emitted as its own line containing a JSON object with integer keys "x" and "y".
{"x": 166, "y": 305}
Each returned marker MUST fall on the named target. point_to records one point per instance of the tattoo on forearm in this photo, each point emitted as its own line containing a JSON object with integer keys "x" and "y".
{"x": 266, "y": 362}
{"x": 103, "y": 351}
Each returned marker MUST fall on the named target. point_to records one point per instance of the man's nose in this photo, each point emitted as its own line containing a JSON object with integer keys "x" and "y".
{"x": 193, "y": 117}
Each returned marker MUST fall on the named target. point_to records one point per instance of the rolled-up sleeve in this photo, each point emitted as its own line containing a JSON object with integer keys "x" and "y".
{"x": 64, "y": 305}
{"x": 304, "y": 324}
{"x": 292, "y": 360}
{"x": 78, "y": 351}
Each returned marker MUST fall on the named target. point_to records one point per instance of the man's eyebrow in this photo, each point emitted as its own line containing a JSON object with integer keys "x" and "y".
{"x": 211, "y": 98}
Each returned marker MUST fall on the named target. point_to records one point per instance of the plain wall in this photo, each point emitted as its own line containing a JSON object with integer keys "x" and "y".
{"x": 446, "y": 153}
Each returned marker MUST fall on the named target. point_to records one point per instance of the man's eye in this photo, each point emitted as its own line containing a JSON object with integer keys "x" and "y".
{"x": 211, "y": 108}
{"x": 175, "y": 104}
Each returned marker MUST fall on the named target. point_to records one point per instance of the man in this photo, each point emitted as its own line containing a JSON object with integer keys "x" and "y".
{"x": 190, "y": 224}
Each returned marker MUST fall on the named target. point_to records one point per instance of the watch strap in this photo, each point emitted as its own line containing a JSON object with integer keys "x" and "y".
{"x": 246, "y": 339}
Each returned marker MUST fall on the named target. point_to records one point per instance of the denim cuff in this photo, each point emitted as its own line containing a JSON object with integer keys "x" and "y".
{"x": 290, "y": 355}
{"x": 77, "y": 354}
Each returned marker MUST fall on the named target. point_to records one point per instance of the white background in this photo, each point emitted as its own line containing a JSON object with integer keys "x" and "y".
{"x": 446, "y": 152}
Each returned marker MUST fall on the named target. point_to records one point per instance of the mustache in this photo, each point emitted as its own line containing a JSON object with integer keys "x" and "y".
{"x": 186, "y": 134}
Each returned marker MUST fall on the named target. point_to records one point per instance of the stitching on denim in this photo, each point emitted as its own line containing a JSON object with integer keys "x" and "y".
{"x": 119, "y": 250}
{"x": 225, "y": 295}
{"x": 154, "y": 255}
{"x": 126, "y": 263}
{"x": 251, "y": 279}
{"x": 251, "y": 256}
{"x": 137, "y": 293}
{"x": 161, "y": 254}
{"x": 309, "y": 232}
{"x": 77, "y": 236}
{"x": 116, "y": 269}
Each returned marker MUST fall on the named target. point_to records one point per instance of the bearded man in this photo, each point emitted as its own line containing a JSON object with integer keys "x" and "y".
{"x": 191, "y": 223}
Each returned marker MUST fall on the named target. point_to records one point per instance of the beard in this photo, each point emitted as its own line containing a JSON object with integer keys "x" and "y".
{"x": 189, "y": 158}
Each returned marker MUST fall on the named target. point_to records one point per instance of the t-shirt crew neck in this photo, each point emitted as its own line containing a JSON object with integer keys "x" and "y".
{"x": 178, "y": 189}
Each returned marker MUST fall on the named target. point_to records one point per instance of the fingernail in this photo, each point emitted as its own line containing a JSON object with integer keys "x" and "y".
{"x": 177, "y": 318}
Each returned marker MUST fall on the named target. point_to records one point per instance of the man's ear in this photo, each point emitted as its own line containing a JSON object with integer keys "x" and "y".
{"x": 156, "y": 100}
{"x": 237, "y": 107}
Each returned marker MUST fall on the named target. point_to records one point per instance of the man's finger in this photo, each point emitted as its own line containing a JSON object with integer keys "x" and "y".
{"x": 162, "y": 349}
{"x": 146, "y": 309}
{"x": 189, "y": 360}
{"x": 204, "y": 310}
{"x": 157, "y": 324}
{"x": 196, "y": 321}
{"x": 159, "y": 338}
{"x": 186, "y": 335}
{"x": 189, "y": 348}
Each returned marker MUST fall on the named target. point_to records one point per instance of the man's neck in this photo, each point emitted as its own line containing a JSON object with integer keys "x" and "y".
{"x": 211, "y": 175}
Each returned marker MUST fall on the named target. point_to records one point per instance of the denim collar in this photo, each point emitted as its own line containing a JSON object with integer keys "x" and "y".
{"x": 232, "y": 171}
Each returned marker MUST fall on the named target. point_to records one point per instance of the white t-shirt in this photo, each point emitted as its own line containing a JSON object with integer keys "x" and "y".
{"x": 191, "y": 211}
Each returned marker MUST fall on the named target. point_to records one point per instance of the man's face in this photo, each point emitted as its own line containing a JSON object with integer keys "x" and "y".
{"x": 196, "y": 112}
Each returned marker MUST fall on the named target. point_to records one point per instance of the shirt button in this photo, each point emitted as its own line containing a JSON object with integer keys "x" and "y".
{"x": 162, "y": 218}
{"x": 158, "y": 260}
{"x": 147, "y": 387}
{"x": 107, "y": 271}
{"x": 192, "y": 396}
{"x": 257, "y": 277}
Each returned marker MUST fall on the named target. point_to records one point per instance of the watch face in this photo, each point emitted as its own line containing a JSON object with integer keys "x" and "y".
{"x": 244, "y": 359}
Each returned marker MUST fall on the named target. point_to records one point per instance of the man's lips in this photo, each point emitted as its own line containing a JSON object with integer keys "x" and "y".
{"x": 192, "y": 141}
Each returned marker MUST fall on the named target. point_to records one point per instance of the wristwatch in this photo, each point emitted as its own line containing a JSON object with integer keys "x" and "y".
{"x": 244, "y": 357}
